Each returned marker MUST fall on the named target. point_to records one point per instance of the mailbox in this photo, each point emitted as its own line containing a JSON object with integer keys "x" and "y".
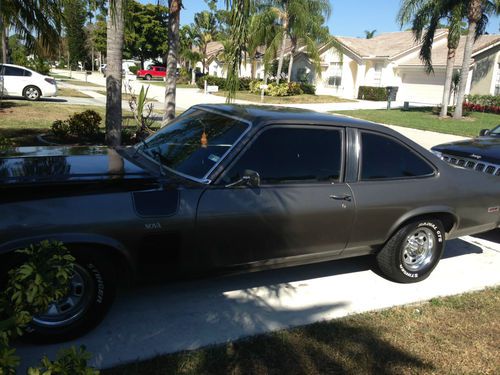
{"x": 392, "y": 92}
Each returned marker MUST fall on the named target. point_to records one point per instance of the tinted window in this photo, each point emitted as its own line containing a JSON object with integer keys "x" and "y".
{"x": 12, "y": 71}
{"x": 282, "y": 155}
{"x": 385, "y": 158}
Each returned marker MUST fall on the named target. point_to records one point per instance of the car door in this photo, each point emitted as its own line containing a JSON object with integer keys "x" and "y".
{"x": 300, "y": 208}
{"x": 15, "y": 80}
{"x": 393, "y": 180}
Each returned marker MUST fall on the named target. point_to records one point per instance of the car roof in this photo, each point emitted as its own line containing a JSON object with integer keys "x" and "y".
{"x": 260, "y": 115}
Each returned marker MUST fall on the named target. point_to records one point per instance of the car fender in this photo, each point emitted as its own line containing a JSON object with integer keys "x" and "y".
{"x": 420, "y": 212}
{"x": 71, "y": 238}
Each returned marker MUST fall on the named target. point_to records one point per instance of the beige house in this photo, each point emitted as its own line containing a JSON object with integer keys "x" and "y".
{"x": 392, "y": 59}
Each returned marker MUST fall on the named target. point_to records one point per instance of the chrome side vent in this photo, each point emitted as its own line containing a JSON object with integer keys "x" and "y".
{"x": 492, "y": 169}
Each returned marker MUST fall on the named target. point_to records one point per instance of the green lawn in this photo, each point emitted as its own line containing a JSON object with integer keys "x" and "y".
{"x": 65, "y": 91}
{"x": 453, "y": 335}
{"x": 422, "y": 118}
{"x": 77, "y": 82}
{"x": 162, "y": 83}
{"x": 296, "y": 99}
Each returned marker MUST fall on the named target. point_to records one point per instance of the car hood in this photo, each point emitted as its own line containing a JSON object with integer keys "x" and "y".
{"x": 67, "y": 164}
{"x": 486, "y": 148}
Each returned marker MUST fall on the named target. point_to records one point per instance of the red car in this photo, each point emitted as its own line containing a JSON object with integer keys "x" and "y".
{"x": 152, "y": 72}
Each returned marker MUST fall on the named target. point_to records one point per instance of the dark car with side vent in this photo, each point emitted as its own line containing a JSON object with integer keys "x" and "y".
{"x": 226, "y": 188}
{"x": 480, "y": 154}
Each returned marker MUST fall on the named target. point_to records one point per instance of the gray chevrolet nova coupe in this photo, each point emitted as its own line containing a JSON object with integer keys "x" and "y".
{"x": 226, "y": 188}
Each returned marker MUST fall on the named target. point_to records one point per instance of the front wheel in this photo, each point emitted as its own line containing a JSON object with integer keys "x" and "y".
{"x": 32, "y": 93}
{"x": 148, "y": 77}
{"x": 91, "y": 293}
{"x": 413, "y": 251}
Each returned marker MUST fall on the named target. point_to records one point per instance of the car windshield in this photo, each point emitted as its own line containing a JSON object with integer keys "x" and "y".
{"x": 194, "y": 143}
{"x": 496, "y": 130}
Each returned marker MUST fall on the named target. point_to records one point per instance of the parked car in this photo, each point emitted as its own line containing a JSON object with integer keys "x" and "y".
{"x": 227, "y": 187}
{"x": 151, "y": 72}
{"x": 480, "y": 154}
{"x": 17, "y": 80}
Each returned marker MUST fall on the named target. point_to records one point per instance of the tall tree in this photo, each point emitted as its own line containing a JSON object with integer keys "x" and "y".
{"x": 300, "y": 20}
{"x": 205, "y": 26}
{"x": 31, "y": 21}
{"x": 174, "y": 7}
{"x": 75, "y": 15}
{"x": 425, "y": 17}
{"x": 115, "y": 37}
{"x": 477, "y": 16}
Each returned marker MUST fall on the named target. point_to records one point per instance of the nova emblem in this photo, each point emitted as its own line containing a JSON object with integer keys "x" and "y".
{"x": 493, "y": 209}
{"x": 476, "y": 156}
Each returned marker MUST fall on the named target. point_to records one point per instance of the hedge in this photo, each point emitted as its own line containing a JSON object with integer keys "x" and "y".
{"x": 221, "y": 82}
{"x": 484, "y": 100}
{"x": 372, "y": 93}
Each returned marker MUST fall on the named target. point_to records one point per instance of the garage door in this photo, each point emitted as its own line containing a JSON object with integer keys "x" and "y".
{"x": 421, "y": 87}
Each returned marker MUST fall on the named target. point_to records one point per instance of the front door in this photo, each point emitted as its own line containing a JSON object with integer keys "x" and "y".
{"x": 301, "y": 208}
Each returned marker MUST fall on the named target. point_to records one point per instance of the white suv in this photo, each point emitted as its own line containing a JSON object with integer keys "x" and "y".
{"x": 19, "y": 81}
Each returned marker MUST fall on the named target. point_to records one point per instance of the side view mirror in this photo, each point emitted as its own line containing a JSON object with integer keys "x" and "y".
{"x": 484, "y": 132}
{"x": 250, "y": 178}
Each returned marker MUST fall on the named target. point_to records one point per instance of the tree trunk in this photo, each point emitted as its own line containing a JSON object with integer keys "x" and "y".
{"x": 450, "y": 62}
{"x": 474, "y": 15}
{"x": 5, "y": 46}
{"x": 280, "y": 62}
{"x": 290, "y": 64}
{"x": 173, "y": 48}
{"x": 193, "y": 76}
{"x": 115, "y": 29}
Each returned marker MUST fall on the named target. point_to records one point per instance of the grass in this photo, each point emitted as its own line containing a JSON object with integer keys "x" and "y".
{"x": 452, "y": 335}
{"x": 424, "y": 119}
{"x": 162, "y": 84}
{"x": 77, "y": 82}
{"x": 65, "y": 91}
{"x": 125, "y": 96}
{"x": 296, "y": 99}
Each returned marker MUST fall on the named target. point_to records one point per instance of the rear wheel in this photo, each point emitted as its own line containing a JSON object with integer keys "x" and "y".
{"x": 413, "y": 251}
{"x": 91, "y": 293}
{"x": 32, "y": 93}
{"x": 148, "y": 77}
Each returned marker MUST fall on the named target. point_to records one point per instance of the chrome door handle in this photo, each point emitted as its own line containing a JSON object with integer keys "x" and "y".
{"x": 344, "y": 197}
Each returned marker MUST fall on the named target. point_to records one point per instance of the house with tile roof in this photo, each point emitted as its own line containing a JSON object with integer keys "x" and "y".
{"x": 392, "y": 59}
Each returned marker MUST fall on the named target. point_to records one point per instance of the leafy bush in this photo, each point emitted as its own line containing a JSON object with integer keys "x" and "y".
{"x": 294, "y": 88}
{"x": 308, "y": 88}
{"x": 481, "y": 108}
{"x": 221, "y": 82}
{"x": 437, "y": 110}
{"x": 484, "y": 100}
{"x": 72, "y": 361}
{"x": 254, "y": 86}
{"x": 60, "y": 129}
{"x": 133, "y": 69}
{"x": 274, "y": 89}
{"x": 5, "y": 143}
{"x": 83, "y": 126}
{"x": 245, "y": 83}
{"x": 38, "y": 65}
{"x": 372, "y": 93}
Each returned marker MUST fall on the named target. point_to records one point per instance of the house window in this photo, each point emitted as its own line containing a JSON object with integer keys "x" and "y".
{"x": 335, "y": 76}
{"x": 377, "y": 76}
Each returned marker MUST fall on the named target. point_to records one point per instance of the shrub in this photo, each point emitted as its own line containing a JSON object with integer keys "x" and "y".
{"x": 254, "y": 86}
{"x": 5, "y": 143}
{"x": 308, "y": 88}
{"x": 484, "y": 100}
{"x": 83, "y": 126}
{"x": 221, "y": 82}
{"x": 245, "y": 83}
{"x": 372, "y": 93}
{"x": 481, "y": 108}
{"x": 294, "y": 88}
{"x": 133, "y": 69}
{"x": 60, "y": 129}
{"x": 274, "y": 89}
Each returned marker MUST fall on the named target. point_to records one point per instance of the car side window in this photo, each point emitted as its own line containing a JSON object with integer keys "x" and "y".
{"x": 384, "y": 158}
{"x": 292, "y": 155}
{"x": 13, "y": 71}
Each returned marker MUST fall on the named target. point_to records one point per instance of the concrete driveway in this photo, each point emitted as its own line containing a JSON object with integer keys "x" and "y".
{"x": 151, "y": 320}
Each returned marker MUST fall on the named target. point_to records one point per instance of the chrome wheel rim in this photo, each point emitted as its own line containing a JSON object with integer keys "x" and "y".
{"x": 418, "y": 249}
{"x": 73, "y": 305}
{"x": 32, "y": 93}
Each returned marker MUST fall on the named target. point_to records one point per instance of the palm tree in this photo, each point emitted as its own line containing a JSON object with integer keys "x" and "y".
{"x": 36, "y": 21}
{"x": 115, "y": 40}
{"x": 477, "y": 16}
{"x": 300, "y": 21}
{"x": 172, "y": 56}
{"x": 370, "y": 33}
{"x": 205, "y": 24}
{"x": 425, "y": 16}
